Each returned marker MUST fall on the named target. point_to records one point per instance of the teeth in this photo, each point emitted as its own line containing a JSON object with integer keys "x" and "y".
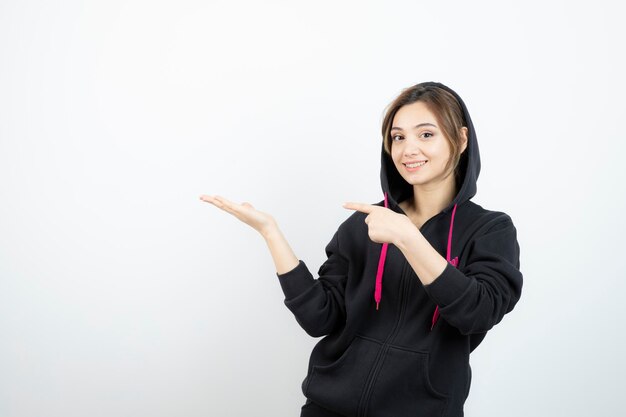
{"x": 417, "y": 164}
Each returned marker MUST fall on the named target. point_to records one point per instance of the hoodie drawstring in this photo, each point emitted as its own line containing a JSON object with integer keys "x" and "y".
{"x": 378, "y": 289}
{"x": 383, "y": 255}
{"x": 454, "y": 262}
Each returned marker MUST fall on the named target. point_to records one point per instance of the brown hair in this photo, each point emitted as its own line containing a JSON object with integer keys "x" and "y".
{"x": 446, "y": 109}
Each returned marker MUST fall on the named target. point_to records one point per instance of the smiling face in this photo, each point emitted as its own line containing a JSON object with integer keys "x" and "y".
{"x": 416, "y": 137}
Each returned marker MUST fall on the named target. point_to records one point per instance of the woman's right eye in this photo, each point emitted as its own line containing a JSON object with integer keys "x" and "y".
{"x": 393, "y": 137}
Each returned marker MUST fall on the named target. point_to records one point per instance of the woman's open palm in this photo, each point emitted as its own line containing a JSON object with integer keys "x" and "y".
{"x": 245, "y": 212}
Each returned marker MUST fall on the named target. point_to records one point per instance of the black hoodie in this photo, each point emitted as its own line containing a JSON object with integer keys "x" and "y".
{"x": 411, "y": 356}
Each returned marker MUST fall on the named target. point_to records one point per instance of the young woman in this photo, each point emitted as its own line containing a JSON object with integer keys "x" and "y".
{"x": 401, "y": 346}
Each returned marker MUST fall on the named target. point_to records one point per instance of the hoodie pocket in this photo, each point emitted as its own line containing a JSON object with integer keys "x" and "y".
{"x": 339, "y": 386}
{"x": 403, "y": 387}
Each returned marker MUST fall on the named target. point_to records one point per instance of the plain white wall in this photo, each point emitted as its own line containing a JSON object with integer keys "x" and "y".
{"x": 122, "y": 294}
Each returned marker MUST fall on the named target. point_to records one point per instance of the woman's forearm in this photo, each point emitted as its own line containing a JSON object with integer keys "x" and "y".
{"x": 284, "y": 258}
{"x": 427, "y": 263}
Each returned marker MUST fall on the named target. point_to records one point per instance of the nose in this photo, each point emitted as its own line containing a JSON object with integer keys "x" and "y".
{"x": 411, "y": 147}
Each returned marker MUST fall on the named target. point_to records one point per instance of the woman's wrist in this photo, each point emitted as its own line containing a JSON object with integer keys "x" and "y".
{"x": 282, "y": 254}
{"x": 270, "y": 230}
{"x": 409, "y": 240}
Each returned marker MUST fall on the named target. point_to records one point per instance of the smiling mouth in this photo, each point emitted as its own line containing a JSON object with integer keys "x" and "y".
{"x": 415, "y": 164}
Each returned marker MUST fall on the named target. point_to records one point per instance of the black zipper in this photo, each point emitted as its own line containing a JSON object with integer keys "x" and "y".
{"x": 382, "y": 353}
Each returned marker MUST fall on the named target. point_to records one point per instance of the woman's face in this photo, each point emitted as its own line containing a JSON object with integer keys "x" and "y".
{"x": 416, "y": 137}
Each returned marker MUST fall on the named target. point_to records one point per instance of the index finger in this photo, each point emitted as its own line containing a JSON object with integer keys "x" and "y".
{"x": 364, "y": 208}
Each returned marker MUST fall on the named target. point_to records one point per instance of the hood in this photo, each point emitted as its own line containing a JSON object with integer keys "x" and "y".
{"x": 398, "y": 190}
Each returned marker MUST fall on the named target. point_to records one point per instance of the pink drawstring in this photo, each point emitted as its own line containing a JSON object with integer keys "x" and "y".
{"x": 379, "y": 273}
{"x": 454, "y": 262}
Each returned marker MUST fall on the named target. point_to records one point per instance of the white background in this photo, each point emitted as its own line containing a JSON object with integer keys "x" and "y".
{"x": 122, "y": 294}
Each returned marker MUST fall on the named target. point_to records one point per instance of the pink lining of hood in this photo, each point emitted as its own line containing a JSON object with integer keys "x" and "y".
{"x": 383, "y": 255}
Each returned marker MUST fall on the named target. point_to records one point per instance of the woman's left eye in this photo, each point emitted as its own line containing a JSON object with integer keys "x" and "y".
{"x": 428, "y": 133}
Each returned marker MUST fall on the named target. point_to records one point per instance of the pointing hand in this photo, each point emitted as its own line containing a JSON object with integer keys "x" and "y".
{"x": 384, "y": 225}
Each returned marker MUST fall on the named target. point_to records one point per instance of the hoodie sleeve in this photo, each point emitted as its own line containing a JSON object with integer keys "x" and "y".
{"x": 318, "y": 304}
{"x": 477, "y": 297}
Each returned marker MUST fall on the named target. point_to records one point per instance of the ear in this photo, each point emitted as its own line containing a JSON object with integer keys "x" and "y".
{"x": 464, "y": 137}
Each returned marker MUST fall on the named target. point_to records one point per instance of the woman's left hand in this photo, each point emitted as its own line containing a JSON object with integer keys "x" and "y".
{"x": 384, "y": 225}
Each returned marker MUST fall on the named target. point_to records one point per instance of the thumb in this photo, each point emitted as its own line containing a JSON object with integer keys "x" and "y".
{"x": 245, "y": 203}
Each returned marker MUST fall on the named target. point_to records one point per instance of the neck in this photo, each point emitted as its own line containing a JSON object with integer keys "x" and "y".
{"x": 430, "y": 200}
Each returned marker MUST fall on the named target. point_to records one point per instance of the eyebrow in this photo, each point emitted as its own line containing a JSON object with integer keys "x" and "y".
{"x": 416, "y": 126}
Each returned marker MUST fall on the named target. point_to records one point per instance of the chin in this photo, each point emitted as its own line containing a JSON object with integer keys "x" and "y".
{"x": 413, "y": 181}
